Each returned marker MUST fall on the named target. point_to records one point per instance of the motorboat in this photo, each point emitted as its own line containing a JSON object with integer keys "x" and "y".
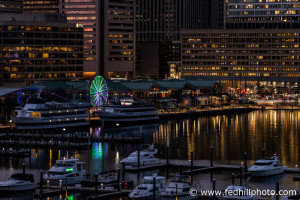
{"x": 146, "y": 158}
{"x": 65, "y": 172}
{"x": 148, "y": 149}
{"x": 18, "y": 182}
{"x": 266, "y": 167}
{"x": 238, "y": 192}
{"x": 145, "y": 190}
{"x": 178, "y": 189}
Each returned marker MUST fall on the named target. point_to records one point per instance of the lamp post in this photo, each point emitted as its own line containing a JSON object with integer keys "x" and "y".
{"x": 10, "y": 122}
{"x": 117, "y": 128}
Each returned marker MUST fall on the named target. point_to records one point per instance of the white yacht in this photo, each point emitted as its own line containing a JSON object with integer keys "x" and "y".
{"x": 145, "y": 190}
{"x": 238, "y": 192}
{"x": 146, "y": 158}
{"x": 127, "y": 112}
{"x": 266, "y": 167}
{"x": 66, "y": 171}
{"x": 178, "y": 189}
{"x": 18, "y": 182}
{"x": 39, "y": 114}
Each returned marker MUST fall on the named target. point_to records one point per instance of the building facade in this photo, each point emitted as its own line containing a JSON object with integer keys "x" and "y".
{"x": 84, "y": 13}
{"x": 109, "y": 35}
{"x": 263, "y": 14}
{"x": 41, "y": 6}
{"x": 243, "y": 58}
{"x": 161, "y": 21}
{"x": 11, "y": 6}
{"x": 39, "y": 48}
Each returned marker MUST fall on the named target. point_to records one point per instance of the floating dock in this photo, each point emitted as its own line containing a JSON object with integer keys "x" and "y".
{"x": 60, "y": 141}
{"x": 206, "y": 112}
{"x": 199, "y": 166}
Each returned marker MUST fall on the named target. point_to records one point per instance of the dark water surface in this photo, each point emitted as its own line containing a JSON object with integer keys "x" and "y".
{"x": 229, "y": 135}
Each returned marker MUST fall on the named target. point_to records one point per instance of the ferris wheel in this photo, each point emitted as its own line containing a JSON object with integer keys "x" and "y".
{"x": 98, "y": 91}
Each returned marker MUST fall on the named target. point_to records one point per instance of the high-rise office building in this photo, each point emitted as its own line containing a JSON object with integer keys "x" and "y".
{"x": 11, "y": 6}
{"x": 109, "y": 35}
{"x": 116, "y": 38}
{"x": 160, "y": 22}
{"x": 243, "y": 58}
{"x": 38, "y": 47}
{"x": 41, "y": 6}
{"x": 84, "y": 13}
{"x": 263, "y": 14}
{"x": 163, "y": 20}
{"x": 258, "y": 50}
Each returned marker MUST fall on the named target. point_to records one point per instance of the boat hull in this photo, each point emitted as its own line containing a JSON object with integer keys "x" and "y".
{"x": 127, "y": 122}
{"x": 267, "y": 172}
{"x": 17, "y": 188}
{"x": 39, "y": 125}
{"x": 142, "y": 163}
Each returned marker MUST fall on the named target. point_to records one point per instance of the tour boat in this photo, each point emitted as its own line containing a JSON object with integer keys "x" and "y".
{"x": 66, "y": 172}
{"x": 266, "y": 167}
{"x": 146, "y": 158}
{"x": 39, "y": 114}
{"x": 18, "y": 182}
{"x": 239, "y": 192}
{"x": 178, "y": 189}
{"x": 145, "y": 190}
{"x": 127, "y": 112}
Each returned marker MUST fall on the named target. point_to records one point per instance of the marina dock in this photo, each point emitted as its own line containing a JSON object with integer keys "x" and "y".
{"x": 96, "y": 194}
{"x": 61, "y": 141}
{"x": 199, "y": 166}
{"x": 205, "y": 112}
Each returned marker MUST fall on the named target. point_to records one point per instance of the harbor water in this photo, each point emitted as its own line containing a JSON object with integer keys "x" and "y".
{"x": 230, "y": 136}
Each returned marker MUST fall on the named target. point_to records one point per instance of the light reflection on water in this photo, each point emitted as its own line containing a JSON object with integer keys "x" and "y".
{"x": 230, "y": 135}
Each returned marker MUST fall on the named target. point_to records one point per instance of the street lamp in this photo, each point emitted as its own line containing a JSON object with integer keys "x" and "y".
{"x": 10, "y": 122}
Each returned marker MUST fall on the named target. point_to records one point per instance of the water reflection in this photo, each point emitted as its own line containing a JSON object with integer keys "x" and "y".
{"x": 229, "y": 135}
{"x": 232, "y": 135}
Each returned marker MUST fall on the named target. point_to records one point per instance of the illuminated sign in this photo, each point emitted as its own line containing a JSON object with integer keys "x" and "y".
{"x": 69, "y": 170}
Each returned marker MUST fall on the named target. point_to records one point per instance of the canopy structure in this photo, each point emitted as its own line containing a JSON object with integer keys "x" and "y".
{"x": 6, "y": 90}
{"x": 134, "y": 85}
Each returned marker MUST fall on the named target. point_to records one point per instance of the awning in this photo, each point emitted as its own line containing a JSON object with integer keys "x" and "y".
{"x": 7, "y": 90}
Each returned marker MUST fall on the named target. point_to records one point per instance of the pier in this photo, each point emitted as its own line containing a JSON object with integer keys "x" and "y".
{"x": 198, "y": 166}
{"x": 61, "y": 141}
{"x": 96, "y": 193}
{"x": 197, "y": 112}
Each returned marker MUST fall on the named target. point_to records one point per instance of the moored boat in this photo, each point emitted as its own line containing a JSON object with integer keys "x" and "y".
{"x": 266, "y": 167}
{"x": 18, "y": 182}
{"x": 125, "y": 113}
{"x": 66, "y": 172}
{"x": 145, "y": 190}
{"x": 178, "y": 189}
